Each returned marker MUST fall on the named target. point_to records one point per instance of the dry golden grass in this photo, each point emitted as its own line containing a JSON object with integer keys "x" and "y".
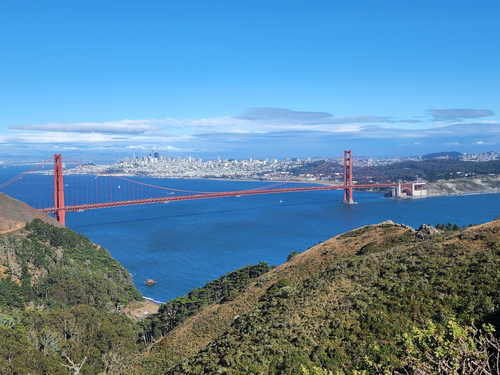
{"x": 15, "y": 214}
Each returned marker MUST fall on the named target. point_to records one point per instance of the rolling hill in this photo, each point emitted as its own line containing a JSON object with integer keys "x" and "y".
{"x": 357, "y": 302}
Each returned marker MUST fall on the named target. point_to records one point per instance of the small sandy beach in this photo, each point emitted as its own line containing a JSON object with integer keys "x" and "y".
{"x": 140, "y": 310}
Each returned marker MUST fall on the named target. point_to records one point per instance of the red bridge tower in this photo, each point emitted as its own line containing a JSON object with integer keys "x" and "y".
{"x": 348, "y": 177}
{"x": 59, "y": 190}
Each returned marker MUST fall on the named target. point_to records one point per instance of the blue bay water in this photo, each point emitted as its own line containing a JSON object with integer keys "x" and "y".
{"x": 183, "y": 245}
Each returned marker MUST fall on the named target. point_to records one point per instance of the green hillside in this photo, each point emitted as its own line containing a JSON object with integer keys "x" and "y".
{"x": 48, "y": 267}
{"x": 376, "y": 299}
{"x": 61, "y": 300}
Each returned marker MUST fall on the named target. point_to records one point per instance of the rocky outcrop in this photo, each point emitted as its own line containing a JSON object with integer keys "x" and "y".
{"x": 426, "y": 231}
{"x": 407, "y": 227}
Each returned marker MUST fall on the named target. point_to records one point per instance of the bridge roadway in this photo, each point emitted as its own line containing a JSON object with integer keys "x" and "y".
{"x": 211, "y": 195}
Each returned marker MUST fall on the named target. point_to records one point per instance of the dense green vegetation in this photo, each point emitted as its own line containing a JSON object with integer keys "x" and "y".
{"x": 220, "y": 290}
{"x": 60, "y": 300}
{"x": 369, "y": 312}
{"x": 453, "y": 155}
{"x": 53, "y": 343}
{"x": 12, "y": 295}
{"x": 450, "y": 227}
{"x": 57, "y": 267}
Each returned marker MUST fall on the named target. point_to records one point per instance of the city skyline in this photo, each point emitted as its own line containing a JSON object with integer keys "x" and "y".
{"x": 249, "y": 79}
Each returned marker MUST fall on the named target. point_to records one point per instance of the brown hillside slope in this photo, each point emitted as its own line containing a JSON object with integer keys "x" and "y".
{"x": 14, "y": 214}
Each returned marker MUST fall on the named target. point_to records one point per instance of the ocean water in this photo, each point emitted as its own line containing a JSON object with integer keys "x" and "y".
{"x": 183, "y": 245}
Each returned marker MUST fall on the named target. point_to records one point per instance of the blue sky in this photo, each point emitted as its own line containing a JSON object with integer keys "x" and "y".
{"x": 249, "y": 78}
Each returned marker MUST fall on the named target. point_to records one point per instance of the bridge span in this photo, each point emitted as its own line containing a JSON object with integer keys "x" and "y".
{"x": 118, "y": 191}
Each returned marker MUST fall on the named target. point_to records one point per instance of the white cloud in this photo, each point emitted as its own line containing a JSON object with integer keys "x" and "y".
{"x": 264, "y": 127}
{"x": 253, "y": 121}
{"x": 58, "y": 137}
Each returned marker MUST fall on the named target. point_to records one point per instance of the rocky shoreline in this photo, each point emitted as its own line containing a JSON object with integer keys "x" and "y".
{"x": 489, "y": 184}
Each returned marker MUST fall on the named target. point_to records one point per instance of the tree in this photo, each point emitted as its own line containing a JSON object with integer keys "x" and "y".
{"x": 74, "y": 367}
{"x": 452, "y": 349}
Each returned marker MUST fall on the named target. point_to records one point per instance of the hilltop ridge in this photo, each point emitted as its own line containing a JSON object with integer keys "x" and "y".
{"x": 14, "y": 214}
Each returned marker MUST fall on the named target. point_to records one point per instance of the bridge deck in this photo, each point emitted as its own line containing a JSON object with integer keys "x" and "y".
{"x": 212, "y": 195}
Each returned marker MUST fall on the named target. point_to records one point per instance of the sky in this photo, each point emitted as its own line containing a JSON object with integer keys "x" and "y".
{"x": 248, "y": 78}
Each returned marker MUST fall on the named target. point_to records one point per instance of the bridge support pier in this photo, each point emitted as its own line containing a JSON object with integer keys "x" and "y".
{"x": 59, "y": 190}
{"x": 348, "y": 178}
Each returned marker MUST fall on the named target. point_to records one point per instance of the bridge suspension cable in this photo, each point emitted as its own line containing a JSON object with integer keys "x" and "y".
{"x": 18, "y": 177}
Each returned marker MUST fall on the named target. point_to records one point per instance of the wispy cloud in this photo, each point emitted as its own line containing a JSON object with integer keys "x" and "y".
{"x": 270, "y": 130}
{"x": 282, "y": 115}
{"x": 287, "y": 116}
{"x": 410, "y": 121}
{"x": 113, "y": 127}
{"x": 456, "y": 114}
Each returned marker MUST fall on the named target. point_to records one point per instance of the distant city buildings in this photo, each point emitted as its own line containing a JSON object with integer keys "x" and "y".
{"x": 486, "y": 156}
{"x": 156, "y": 165}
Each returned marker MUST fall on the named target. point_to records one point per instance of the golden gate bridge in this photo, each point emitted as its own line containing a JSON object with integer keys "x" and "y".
{"x": 91, "y": 191}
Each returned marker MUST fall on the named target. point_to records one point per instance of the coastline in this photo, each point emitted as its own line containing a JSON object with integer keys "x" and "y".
{"x": 483, "y": 184}
{"x": 152, "y": 300}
